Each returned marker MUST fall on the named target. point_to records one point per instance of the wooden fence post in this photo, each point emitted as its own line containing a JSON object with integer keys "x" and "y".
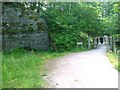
{"x": 107, "y": 43}
{"x": 114, "y": 48}
{"x": 118, "y": 55}
{"x": 95, "y": 42}
{"x": 88, "y": 42}
{"x": 111, "y": 42}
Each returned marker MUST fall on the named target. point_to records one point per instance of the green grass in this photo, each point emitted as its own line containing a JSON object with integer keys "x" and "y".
{"x": 113, "y": 60}
{"x": 22, "y": 69}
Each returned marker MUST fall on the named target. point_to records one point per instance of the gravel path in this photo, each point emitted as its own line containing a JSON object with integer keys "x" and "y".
{"x": 89, "y": 69}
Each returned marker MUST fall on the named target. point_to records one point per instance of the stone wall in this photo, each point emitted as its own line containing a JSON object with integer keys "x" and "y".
{"x": 19, "y": 31}
{"x": 14, "y": 22}
{"x": 36, "y": 41}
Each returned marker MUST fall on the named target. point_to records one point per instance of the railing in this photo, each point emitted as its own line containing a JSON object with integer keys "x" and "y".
{"x": 116, "y": 48}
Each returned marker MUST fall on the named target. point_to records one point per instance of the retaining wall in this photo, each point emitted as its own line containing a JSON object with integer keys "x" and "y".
{"x": 37, "y": 41}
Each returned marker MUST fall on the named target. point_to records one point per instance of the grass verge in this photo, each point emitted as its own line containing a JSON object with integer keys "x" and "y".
{"x": 113, "y": 60}
{"x": 22, "y": 69}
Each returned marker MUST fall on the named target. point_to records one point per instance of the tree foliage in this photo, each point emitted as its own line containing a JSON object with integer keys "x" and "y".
{"x": 69, "y": 22}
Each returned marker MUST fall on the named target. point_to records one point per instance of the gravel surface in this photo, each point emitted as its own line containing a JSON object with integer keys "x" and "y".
{"x": 89, "y": 69}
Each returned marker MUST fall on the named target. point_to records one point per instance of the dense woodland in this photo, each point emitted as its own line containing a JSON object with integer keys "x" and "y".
{"x": 70, "y": 22}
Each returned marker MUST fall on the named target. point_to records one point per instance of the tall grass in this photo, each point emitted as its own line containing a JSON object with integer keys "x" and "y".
{"x": 114, "y": 60}
{"x": 23, "y": 69}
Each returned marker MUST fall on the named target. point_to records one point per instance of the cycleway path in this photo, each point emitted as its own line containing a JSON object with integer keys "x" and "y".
{"x": 88, "y": 69}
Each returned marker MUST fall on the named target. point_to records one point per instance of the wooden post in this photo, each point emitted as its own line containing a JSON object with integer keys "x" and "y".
{"x": 95, "y": 42}
{"x": 104, "y": 40}
{"x": 111, "y": 42}
{"x": 114, "y": 47}
{"x": 98, "y": 40}
{"x": 88, "y": 42}
{"x": 107, "y": 43}
{"x": 118, "y": 55}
